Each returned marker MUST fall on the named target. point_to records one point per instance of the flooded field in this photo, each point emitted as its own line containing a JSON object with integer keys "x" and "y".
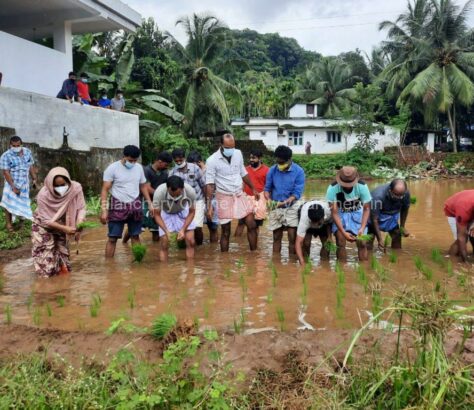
{"x": 241, "y": 291}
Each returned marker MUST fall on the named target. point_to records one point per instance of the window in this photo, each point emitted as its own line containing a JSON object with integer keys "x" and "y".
{"x": 263, "y": 133}
{"x": 334, "y": 137}
{"x": 295, "y": 138}
{"x": 309, "y": 109}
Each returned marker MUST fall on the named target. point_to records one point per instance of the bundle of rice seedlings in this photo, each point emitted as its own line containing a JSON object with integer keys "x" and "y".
{"x": 162, "y": 325}
{"x": 139, "y": 252}
{"x": 365, "y": 238}
{"x": 87, "y": 225}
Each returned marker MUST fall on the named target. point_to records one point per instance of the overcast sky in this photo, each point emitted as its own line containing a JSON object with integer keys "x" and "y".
{"x": 326, "y": 26}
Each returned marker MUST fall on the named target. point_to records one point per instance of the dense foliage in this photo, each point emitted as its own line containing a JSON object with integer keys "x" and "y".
{"x": 420, "y": 76}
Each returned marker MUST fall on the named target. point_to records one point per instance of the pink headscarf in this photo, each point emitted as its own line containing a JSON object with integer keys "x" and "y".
{"x": 52, "y": 206}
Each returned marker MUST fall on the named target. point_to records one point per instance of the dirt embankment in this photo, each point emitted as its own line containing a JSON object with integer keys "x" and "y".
{"x": 10, "y": 255}
{"x": 247, "y": 353}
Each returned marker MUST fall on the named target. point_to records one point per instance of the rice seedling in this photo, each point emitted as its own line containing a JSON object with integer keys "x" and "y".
{"x": 418, "y": 262}
{"x": 87, "y": 225}
{"x": 2, "y": 284}
{"x": 131, "y": 297}
{"x": 462, "y": 280}
{"x": 308, "y": 266}
{"x": 162, "y": 325}
{"x": 392, "y": 257}
{"x": 115, "y": 326}
{"x": 437, "y": 286}
{"x": 449, "y": 268}
{"x": 423, "y": 268}
{"x": 341, "y": 277}
{"x": 378, "y": 268}
{"x": 270, "y": 296}
{"x": 376, "y": 296}
{"x": 272, "y": 205}
{"x": 274, "y": 274}
{"x": 281, "y": 318}
{"x": 365, "y": 238}
{"x": 60, "y": 300}
{"x": 29, "y": 302}
{"x": 196, "y": 323}
{"x": 436, "y": 256}
{"x": 206, "y": 309}
{"x": 387, "y": 241}
{"x": 362, "y": 277}
{"x": 330, "y": 246}
{"x": 227, "y": 273}
{"x": 243, "y": 286}
{"x": 139, "y": 251}
{"x": 240, "y": 322}
{"x": 8, "y": 314}
{"x": 340, "y": 293}
{"x": 49, "y": 311}
{"x": 413, "y": 200}
{"x": 36, "y": 316}
{"x": 240, "y": 263}
{"x": 95, "y": 305}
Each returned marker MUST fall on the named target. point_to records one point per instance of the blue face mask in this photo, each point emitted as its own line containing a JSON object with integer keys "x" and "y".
{"x": 228, "y": 152}
{"x": 129, "y": 165}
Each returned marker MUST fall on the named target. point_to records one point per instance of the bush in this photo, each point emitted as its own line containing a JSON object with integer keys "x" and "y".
{"x": 167, "y": 139}
{"x": 325, "y": 166}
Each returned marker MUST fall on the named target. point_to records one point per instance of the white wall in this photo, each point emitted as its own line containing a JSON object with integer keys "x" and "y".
{"x": 299, "y": 111}
{"x": 40, "y": 119}
{"x": 30, "y": 67}
{"x": 319, "y": 143}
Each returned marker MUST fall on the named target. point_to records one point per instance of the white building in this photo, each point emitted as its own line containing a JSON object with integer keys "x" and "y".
{"x": 32, "y": 74}
{"x": 304, "y": 125}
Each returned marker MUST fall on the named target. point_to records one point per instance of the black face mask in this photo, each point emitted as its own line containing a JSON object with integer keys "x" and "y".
{"x": 255, "y": 164}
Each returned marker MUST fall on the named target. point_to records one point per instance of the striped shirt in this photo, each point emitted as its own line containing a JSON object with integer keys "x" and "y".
{"x": 193, "y": 176}
{"x": 17, "y": 165}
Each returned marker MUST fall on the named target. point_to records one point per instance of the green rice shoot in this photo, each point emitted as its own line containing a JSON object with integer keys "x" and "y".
{"x": 163, "y": 325}
{"x": 436, "y": 256}
{"x": 139, "y": 251}
{"x": 8, "y": 314}
{"x": 87, "y": 225}
{"x": 330, "y": 246}
{"x": 387, "y": 241}
{"x": 60, "y": 300}
{"x": 281, "y": 317}
{"x": 392, "y": 257}
{"x": 413, "y": 200}
{"x": 365, "y": 238}
{"x": 362, "y": 277}
{"x": 36, "y": 316}
{"x": 49, "y": 311}
{"x": 449, "y": 268}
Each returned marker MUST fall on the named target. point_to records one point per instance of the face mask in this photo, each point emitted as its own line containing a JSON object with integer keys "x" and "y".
{"x": 182, "y": 165}
{"x": 61, "y": 190}
{"x": 255, "y": 164}
{"x": 228, "y": 152}
{"x": 16, "y": 150}
{"x": 283, "y": 167}
{"x": 129, "y": 165}
{"x": 104, "y": 97}
{"x": 119, "y": 96}
{"x": 84, "y": 80}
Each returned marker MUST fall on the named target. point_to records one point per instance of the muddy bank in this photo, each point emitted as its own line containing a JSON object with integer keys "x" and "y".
{"x": 9, "y": 255}
{"x": 247, "y": 353}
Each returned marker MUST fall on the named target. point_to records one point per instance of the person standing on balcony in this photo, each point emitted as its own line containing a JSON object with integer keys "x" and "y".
{"x": 118, "y": 102}
{"x": 69, "y": 89}
{"x": 104, "y": 101}
{"x": 83, "y": 89}
{"x": 17, "y": 164}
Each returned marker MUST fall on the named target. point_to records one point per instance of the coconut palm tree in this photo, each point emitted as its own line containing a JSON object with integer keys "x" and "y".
{"x": 205, "y": 91}
{"x": 327, "y": 83}
{"x": 433, "y": 62}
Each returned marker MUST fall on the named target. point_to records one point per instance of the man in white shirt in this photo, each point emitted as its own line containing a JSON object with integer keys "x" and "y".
{"x": 124, "y": 180}
{"x": 315, "y": 220}
{"x": 225, "y": 173}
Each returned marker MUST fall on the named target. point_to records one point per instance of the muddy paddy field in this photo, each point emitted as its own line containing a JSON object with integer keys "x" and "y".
{"x": 268, "y": 312}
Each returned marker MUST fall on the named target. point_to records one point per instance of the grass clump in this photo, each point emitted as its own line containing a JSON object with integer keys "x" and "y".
{"x": 139, "y": 251}
{"x": 163, "y": 325}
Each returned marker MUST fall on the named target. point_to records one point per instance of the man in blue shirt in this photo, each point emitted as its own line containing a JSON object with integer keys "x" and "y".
{"x": 69, "y": 89}
{"x": 284, "y": 187}
{"x": 390, "y": 203}
{"x": 104, "y": 101}
{"x": 349, "y": 200}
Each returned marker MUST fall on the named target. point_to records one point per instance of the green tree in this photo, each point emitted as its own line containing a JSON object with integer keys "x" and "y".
{"x": 205, "y": 106}
{"x": 327, "y": 83}
{"x": 440, "y": 57}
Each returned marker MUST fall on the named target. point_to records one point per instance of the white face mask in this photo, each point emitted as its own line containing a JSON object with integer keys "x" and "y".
{"x": 16, "y": 150}
{"x": 61, "y": 190}
{"x": 182, "y": 165}
{"x": 175, "y": 199}
{"x": 84, "y": 80}
{"x": 104, "y": 97}
{"x": 119, "y": 96}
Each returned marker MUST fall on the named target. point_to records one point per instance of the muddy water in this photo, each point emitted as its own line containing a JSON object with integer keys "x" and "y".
{"x": 240, "y": 287}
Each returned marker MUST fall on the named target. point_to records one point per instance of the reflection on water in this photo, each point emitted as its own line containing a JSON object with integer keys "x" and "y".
{"x": 218, "y": 289}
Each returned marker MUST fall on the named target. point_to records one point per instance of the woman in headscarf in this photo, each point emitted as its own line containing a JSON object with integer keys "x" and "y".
{"x": 61, "y": 207}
